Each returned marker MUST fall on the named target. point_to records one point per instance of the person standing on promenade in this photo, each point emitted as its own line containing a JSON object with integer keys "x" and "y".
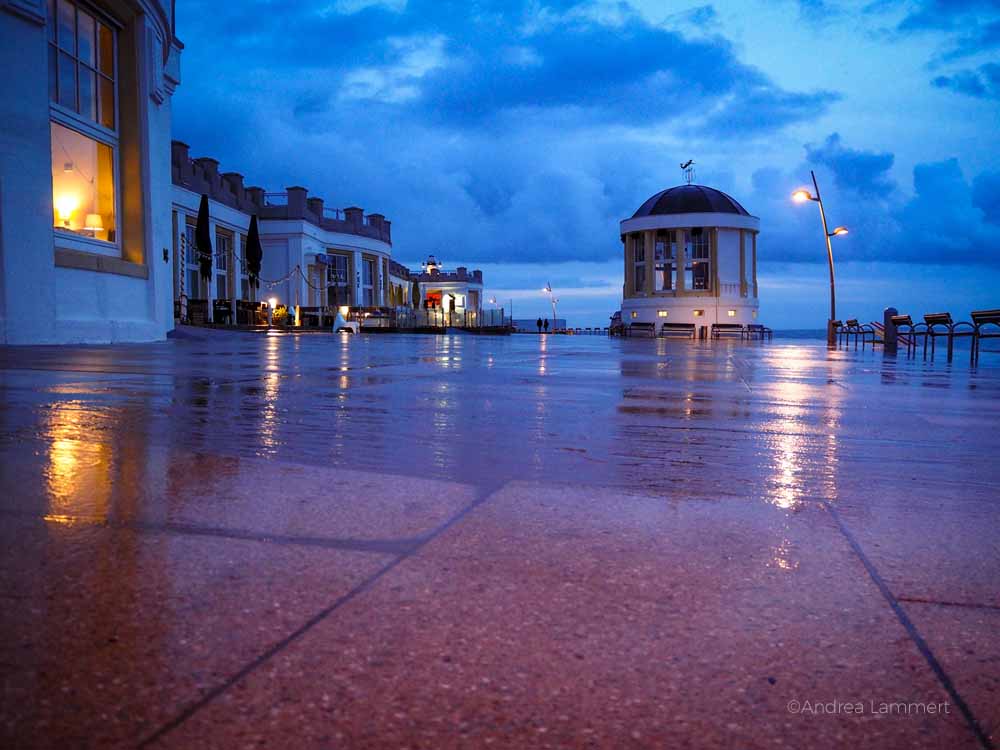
{"x": 539, "y": 324}
{"x": 546, "y": 325}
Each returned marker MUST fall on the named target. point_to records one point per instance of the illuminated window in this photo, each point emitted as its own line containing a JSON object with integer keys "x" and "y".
{"x": 223, "y": 247}
{"x": 697, "y": 266}
{"x": 755, "y": 314}
{"x": 731, "y": 313}
{"x": 368, "y": 282}
{"x": 635, "y": 314}
{"x": 662, "y": 313}
{"x": 665, "y": 261}
{"x": 699, "y": 313}
{"x": 338, "y": 288}
{"x": 192, "y": 278}
{"x": 244, "y": 276}
{"x": 639, "y": 259}
{"x": 82, "y": 66}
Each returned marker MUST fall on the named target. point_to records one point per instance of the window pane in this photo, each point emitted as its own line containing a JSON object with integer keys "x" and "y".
{"x": 67, "y": 26}
{"x": 67, "y": 81}
{"x": 106, "y": 90}
{"x": 85, "y": 37}
{"x": 88, "y": 96}
{"x": 106, "y": 47}
{"x": 221, "y": 252}
{"x": 53, "y": 74}
{"x": 52, "y": 20}
{"x": 244, "y": 289}
{"x": 220, "y": 288}
{"x": 83, "y": 187}
{"x": 193, "y": 289}
{"x": 190, "y": 245}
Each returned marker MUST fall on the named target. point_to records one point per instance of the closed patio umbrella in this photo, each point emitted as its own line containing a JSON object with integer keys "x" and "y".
{"x": 203, "y": 240}
{"x": 203, "y": 243}
{"x": 254, "y": 255}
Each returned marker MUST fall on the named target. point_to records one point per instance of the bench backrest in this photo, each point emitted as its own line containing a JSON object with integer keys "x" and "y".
{"x": 678, "y": 326}
{"x": 938, "y": 319}
{"x": 902, "y": 320}
{"x": 852, "y": 323}
{"x": 985, "y": 316}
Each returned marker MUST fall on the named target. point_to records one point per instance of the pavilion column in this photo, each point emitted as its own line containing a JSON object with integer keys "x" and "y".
{"x": 649, "y": 242}
{"x": 681, "y": 260}
{"x": 753, "y": 239}
{"x": 743, "y": 263}
{"x": 629, "y": 266}
{"x": 713, "y": 254}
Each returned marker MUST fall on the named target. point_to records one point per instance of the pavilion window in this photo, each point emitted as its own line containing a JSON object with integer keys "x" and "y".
{"x": 244, "y": 275}
{"x": 698, "y": 266}
{"x": 639, "y": 262}
{"x": 747, "y": 262}
{"x": 368, "y": 282}
{"x": 223, "y": 248}
{"x": 82, "y": 70}
{"x": 665, "y": 261}
{"x": 192, "y": 279}
{"x": 338, "y": 290}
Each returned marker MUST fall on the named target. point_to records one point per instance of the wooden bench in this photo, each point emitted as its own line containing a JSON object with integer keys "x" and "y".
{"x": 688, "y": 330}
{"x": 646, "y": 329}
{"x": 980, "y": 320}
{"x": 941, "y": 324}
{"x": 908, "y": 331}
{"x": 727, "y": 329}
{"x": 758, "y": 332}
{"x": 860, "y": 331}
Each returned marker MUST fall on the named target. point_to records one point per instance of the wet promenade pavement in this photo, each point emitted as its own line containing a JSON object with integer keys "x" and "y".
{"x": 418, "y": 541}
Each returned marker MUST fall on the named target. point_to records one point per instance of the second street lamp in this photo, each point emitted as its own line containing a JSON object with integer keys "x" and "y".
{"x": 548, "y": 290}
{"x": 800, "y": 196}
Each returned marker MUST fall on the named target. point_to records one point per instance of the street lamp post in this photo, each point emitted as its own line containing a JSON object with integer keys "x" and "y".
{"x": 554, "y": 301}
{"x": 799, "y": 196}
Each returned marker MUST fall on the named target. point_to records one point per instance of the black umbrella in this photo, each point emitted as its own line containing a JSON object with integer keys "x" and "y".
{"x": 416, "y": 294}
{"x": 253, "y": 253}
{"x": 203, "y": 239}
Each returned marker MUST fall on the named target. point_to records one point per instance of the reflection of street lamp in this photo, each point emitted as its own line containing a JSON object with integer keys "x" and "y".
{"x": 548, "y": 290}
{"x": 801, "y": 196}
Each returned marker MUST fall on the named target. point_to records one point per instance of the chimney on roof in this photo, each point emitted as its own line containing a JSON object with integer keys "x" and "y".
{"x": 180, "y": 153}
{"x": 256, "y": 196}
{"x": 462, "y": 272}
{"x": 235, "y": 180}
{"x": 375, "y": 220}
{"x": 316, "y": 206}
{"x": 296, "y": 201}
{"x": 354, "y": 215}
{"x": 208, "y": 165}
{"x": 477, "y": 275}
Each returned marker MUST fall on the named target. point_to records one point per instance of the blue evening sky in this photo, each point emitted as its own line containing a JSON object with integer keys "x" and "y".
{"x": 513, "y": 136}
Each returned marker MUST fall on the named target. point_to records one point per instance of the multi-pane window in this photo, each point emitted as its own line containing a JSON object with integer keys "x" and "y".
{"x": 368, "y": 282}
{"x": 747, "y": 256}
{"x": 697, "y": 268}
{"x": 639, "y": 261}
{"x": 338, "y": 288}
{"x": 82, "y": 54}
{"x": 244, "y": 276}
{"x": 223, "y": 247}
{"x": 192, "y": 273}
{"x": 665, "y": 261}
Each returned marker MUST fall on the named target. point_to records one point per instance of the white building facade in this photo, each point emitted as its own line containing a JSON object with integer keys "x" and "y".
{"x": 313, "y": 256}
{"x": 459, "y": 292}
{"x": 85, "y": 229}
{"x": 690, "y": 257}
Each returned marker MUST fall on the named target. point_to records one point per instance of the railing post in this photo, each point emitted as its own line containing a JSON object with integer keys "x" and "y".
{"x": 890, "y": 336}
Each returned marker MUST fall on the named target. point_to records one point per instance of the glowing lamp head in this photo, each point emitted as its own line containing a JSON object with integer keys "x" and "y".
{"x": 65, "y": 206}
{"x": 272, "y": 302}
{"x": 94, "y": 223}
{"x": 801, "y": 195}
{"x": 839, "y": 231}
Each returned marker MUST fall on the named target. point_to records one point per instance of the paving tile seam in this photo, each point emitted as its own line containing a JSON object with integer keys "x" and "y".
{"x": 399, "y": 546}
{"x": 942, "y": 603}
{"x": 485, "y": 492}
{"x": 922, "y": 646}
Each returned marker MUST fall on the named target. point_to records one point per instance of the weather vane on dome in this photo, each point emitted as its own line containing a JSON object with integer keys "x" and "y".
{"x": 688, "y": 168}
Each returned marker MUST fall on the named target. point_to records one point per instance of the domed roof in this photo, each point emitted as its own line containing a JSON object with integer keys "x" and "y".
{"x": 690, "y": 199}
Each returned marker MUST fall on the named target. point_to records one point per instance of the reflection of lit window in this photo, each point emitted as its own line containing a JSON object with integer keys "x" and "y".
{"x": 662, "y": 313}
{"x": 82, "y": 72}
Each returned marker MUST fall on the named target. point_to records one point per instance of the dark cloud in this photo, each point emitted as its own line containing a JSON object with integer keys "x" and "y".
{"x": 982, "y": 83}
{"x": 986, "y": 196}
{"x": 863, "y": 172}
